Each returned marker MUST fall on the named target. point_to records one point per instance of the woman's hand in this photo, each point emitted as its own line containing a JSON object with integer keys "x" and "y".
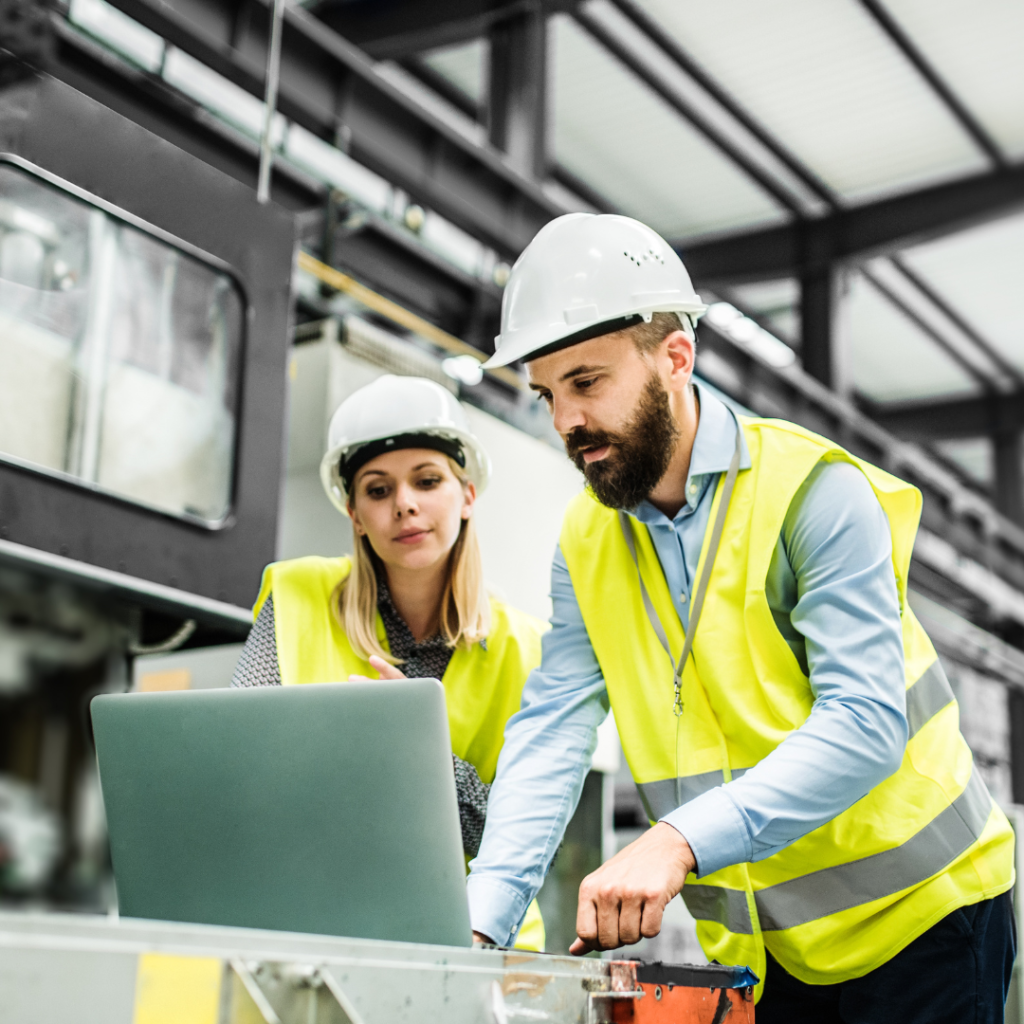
{"x": 386, "y": 670}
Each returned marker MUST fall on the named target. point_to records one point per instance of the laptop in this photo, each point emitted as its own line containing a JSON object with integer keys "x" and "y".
{"x": 327, "y": 809}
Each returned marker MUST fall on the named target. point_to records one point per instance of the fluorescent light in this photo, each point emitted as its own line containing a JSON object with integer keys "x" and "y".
{"x": 119, "y": 32}
{"x": 219, "y": 94}
{"x": 338, "y": 169}
{"x": 465, "y": 369}
{"x": 453, "y": 243}
{"x": 749, "y": 334}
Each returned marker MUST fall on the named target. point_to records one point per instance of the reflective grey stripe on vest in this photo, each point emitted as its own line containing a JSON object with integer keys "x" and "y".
{"x": 715, "y": 903}
{"x": 924, "y": 854}
{"x": 831, "y": 890}
{"x": 928, "y": 696}
{"x": 662, "y": 797}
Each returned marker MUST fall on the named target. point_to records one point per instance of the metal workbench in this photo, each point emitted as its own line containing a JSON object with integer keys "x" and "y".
{"x": 99, "y": 970}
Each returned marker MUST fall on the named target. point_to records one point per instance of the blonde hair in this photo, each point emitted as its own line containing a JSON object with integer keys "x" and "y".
{"x": 465, "y": 609}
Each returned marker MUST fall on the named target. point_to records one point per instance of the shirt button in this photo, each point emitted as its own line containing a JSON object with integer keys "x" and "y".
{"x": 682, "y": 599}
{"x": 693, "y": 488}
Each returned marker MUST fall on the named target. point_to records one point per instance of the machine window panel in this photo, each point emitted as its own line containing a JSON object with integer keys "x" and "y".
{"x": 121, "y": 353}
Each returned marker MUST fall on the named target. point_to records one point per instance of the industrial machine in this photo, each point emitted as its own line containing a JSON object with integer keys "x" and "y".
{"x": 104, "y": 971}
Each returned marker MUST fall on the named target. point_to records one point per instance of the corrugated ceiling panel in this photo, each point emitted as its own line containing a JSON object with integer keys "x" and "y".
{"x": 462, "y": 65}
{"x": 978, "y": 48}
{"x": 980, "y": 273}
{"x": 830, "y": 85}
{"x": 616, "y": 135}
{"x": 891, "y": 360}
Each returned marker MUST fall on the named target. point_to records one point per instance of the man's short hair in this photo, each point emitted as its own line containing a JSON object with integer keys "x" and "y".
{"x": 647, "y": 337}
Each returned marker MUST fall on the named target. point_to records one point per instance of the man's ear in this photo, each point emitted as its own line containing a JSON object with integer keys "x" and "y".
{"x": 682, "y": 353}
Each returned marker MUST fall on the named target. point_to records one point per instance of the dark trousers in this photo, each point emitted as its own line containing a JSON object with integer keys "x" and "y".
{"x": 958, "y": 972}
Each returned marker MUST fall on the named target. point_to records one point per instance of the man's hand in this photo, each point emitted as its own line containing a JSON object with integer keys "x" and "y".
{"x": 385, "y": 668}
{"x": 483, "y": 939}
{"x": 624, "y": 899}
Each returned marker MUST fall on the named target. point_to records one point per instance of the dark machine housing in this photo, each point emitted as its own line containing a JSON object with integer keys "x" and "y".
{"x": 145, "y": 304}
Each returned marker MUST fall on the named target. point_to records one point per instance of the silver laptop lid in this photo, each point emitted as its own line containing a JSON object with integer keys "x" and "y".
{"x": 328, "y": 809}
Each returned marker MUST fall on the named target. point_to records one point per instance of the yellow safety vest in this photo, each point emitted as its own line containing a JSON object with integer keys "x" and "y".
{"x": 483, "y": 685}
{"x": 847, "y": 897}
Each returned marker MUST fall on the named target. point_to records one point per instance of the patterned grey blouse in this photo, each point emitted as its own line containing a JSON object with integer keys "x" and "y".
{"x": 258, "y": 666}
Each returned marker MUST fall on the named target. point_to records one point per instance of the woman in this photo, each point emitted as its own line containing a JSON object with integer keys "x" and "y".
{"x": 404, "y": 466}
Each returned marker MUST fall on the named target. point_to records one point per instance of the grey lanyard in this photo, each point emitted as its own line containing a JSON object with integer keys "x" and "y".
{"x": 702, "y": 584}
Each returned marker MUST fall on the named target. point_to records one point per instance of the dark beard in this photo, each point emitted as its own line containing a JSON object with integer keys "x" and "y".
{"x": 640, "y": 454}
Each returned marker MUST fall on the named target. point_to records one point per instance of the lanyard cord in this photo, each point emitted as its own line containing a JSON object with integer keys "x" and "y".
{"x": 702, "y": 584}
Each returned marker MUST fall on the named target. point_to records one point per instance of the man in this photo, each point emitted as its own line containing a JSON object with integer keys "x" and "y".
{"x": 803, "y": 759}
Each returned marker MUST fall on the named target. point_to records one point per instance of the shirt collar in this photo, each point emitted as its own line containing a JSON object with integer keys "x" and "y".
{"x": 712, "y": 448}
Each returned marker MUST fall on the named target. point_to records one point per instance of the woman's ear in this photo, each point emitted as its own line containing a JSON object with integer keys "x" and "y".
{"x": 356, "y": 524}
{"x": 469, "y": 499}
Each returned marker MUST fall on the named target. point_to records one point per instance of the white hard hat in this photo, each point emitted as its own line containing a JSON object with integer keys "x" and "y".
{"x": 393, "y": 413}
{"x": 587, "y": 274}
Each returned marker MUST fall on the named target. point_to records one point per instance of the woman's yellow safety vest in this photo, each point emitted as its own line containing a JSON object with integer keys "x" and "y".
{"x": 483, "y": 685}
{"x": 848, "y": 896}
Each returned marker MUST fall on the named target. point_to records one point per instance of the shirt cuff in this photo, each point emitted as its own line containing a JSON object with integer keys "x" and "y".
{"x": 496, "y": 909}
{"x": 715, "y": 829}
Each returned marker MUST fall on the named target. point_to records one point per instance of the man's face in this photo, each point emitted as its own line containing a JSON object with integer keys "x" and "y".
{"x": 611, "y": 407}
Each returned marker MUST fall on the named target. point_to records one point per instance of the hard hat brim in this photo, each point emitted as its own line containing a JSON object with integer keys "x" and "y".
{"x": 478, "y": 463}
{"x": 533, "y": 344}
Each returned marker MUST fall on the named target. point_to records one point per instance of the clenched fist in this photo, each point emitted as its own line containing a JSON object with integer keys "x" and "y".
{"x": 624, "y": 899}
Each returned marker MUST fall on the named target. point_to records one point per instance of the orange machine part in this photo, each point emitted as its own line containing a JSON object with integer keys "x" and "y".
{"x": 681, "y": 1004}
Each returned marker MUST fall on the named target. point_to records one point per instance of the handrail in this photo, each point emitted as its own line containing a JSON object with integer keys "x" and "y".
{"x": 403, "y": 317}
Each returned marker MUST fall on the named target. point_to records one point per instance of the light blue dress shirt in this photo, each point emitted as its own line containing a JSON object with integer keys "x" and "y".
{"x": 832, "y": 591}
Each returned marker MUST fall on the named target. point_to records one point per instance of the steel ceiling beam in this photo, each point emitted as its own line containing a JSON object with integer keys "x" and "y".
{"x": 976, "y": 416}
{"x": 950, "y": 100}
{"x": 332, "y": 88}
{"x": 463, "y": 102}
{"x": 876, "y": 228}
{"x": 402, "y": 28}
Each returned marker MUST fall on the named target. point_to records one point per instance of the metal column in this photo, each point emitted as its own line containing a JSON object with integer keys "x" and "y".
{"x": 818, "y": 306}
{"x": 517, "y": 91}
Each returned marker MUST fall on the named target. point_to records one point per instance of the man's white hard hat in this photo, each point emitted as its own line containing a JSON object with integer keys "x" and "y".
{"x": 393, "y": 413}
{"x": 587, "y": 274}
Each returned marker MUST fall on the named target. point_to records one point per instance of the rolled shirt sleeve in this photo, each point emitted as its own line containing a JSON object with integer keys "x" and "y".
{"x": 837, "y": 541}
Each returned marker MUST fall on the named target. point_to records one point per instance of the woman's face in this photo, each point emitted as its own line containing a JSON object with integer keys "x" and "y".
{"x": 410, "y": 505}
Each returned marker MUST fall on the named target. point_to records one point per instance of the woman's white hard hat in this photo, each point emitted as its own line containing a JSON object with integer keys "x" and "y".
{"x": 399, "y": 409}
{"x": 587, "y": 274}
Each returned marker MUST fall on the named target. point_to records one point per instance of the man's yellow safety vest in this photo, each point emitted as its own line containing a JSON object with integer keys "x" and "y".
{"x": 483, "y": 684}
{"x": 847, "y": 897}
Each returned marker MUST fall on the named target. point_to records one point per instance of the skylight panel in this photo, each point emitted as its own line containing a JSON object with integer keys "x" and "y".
{"x": 464, "y": 66}
{"x": 978, "y": 48}
{"x": 830, "y": 85}
{"x": 890, "y": 359}
{"x": 979, "y": 273}
{"x": 612, "y": 132}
